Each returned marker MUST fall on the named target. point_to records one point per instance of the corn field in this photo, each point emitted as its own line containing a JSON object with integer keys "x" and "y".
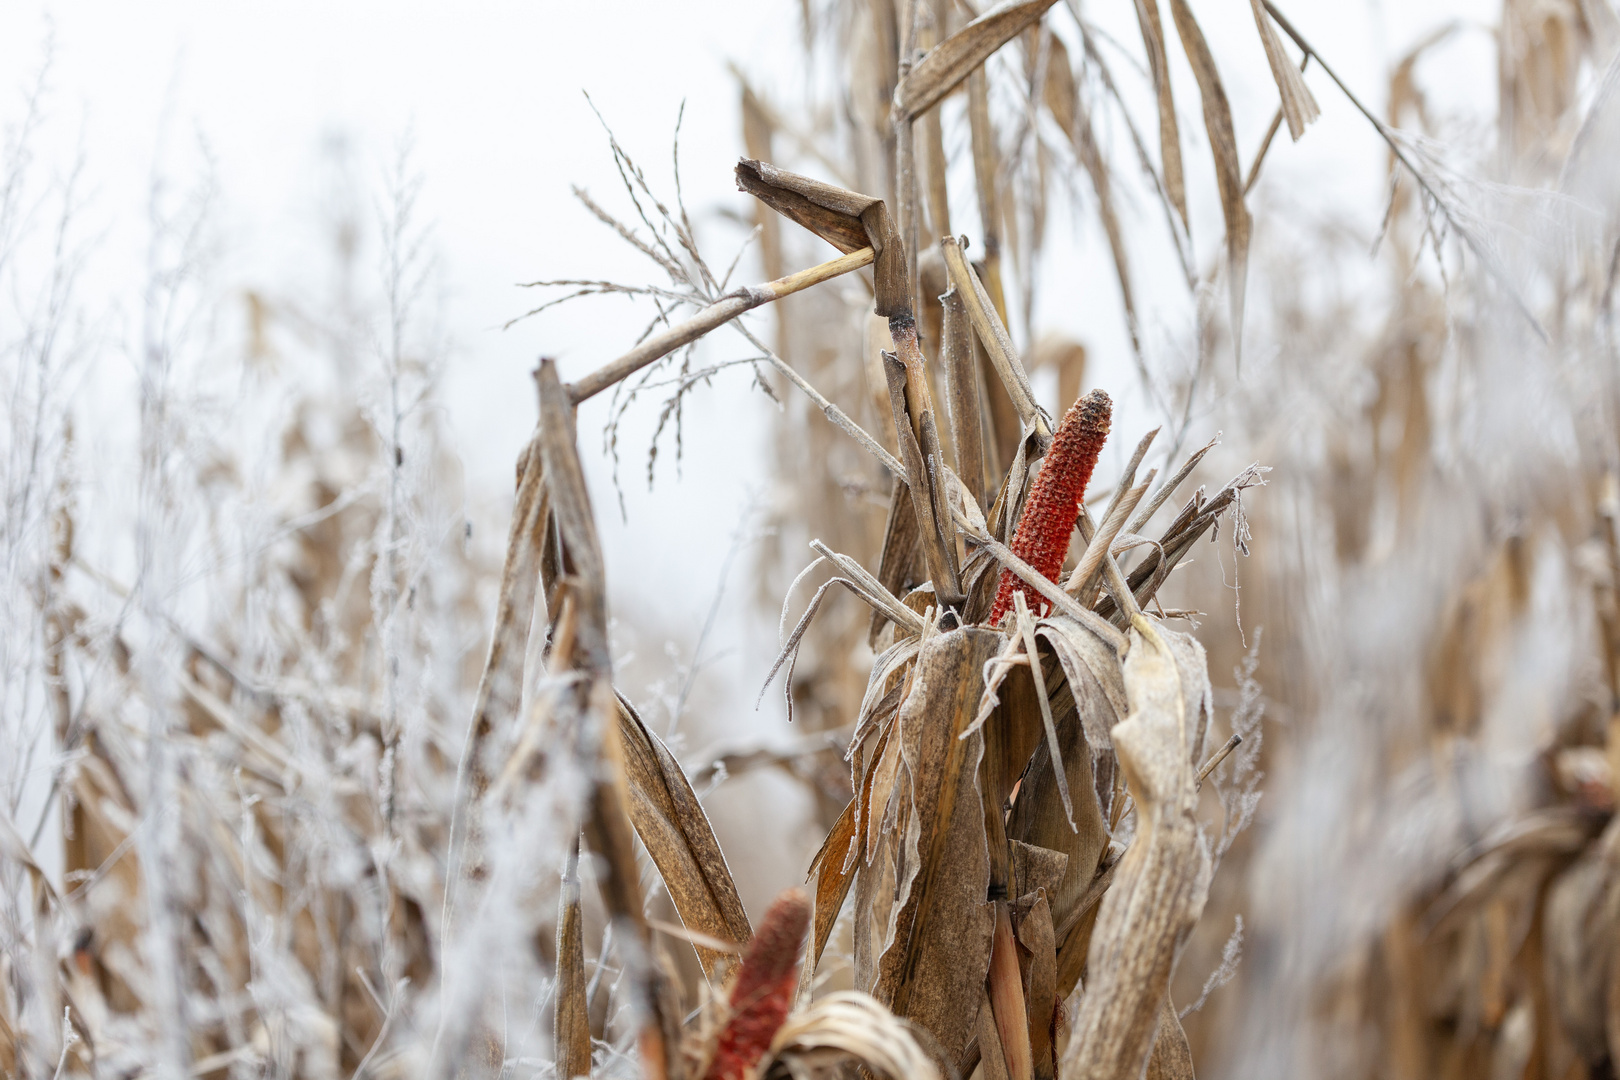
{"x": 1234, "y": 692}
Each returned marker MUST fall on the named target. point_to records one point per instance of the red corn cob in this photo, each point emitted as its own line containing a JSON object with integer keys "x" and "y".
{"x": 1042, "y": 538}
{"x": 764, "y": 988}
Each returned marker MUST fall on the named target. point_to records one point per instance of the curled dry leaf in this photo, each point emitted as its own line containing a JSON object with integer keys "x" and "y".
{"x": 676, "y": 833}
{"x": 1162, "y": 880}
{"x": 948, "y": 63}
{"x": 851, "y": 1026}
{"x": 1172, "y": 1056}
{"x": 845, "y": 219}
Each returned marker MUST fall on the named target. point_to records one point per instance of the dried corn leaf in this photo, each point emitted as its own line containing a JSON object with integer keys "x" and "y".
{"x": 1579, "y": 921}
{"x": 980, "y": 576}
{"x": 947, "y": 64}
{"x": 847, "y": 1025}
{"x": 1175, "y": 184}
{"x": 845, "y": 219}
{"x": 1298, "y": 106}
{"x": 986, "y": 1054}
{"x": 875, "y": 893}
{"x": 992, "y": 331}
{"x": 885, "y": 774}
{"x": 1035, "y": 868}
{"x": 592, "y": 705}
{"x": 987, "y": 179}
{"x": 1557, "y": 831}
{"x": 607, "y": 825}
{"x": 676, "y": 832}
{"x": 939, "y": 206}
{"x": 1036, "y": 936}
{"x": 1228, "y": 171}
{"x": 889, "y": 671}
{"x": 885, "y": 687}
{"x": 1083, "y": 581}
{"x": 1037, "y": 819}
{"x": 935, "y": 532}
{"x": 1062, "y": 96}
{"x": 501, "y": 686}
{"x": 834, "y": 873}
{"x": 1192, "y": 666}
{"x": 1172, "y": 1056}
{"x": 962, "y": 395}
{"x": 570, "y": 1012}
{"x": 1162, "y": 879}
{"x": 1090, "y": 658}
{"x": 860, "y": 582}
{"x": 872, "y": 732}
{"x": 1032, "y": 651}
{"x": 932, "y": 971}
{"x": 571, "y": 511}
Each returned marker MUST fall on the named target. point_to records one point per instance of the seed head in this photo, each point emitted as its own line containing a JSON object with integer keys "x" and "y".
{"x": 1042, "y": 538}
{"x": 763, "y": 993}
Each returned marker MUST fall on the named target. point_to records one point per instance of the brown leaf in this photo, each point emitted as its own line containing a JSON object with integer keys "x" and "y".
{"x": 571, "y": 510}
{"x": 987, "y": 183}
{"x": 845, "y": 219}
{"x": 991, "y": 1057}
{"x": 1035, "y": 935}
{"x": 571, "y": 1024}
{"x": 1089, "y": 653}
{"x": 501, "y": 685}
{"x": 845, "y": 1028}
{"x": 1035, "y": 868}
{"x": 962, "y": 394}
{"x": 1579, "y": 920}
{"x": 1172, "y": 1056}
{"x": 1162, "y": 879}
{"x": 933, "y": 971}
{"x": 1175, "y": 184}
{"x": 1228, "y": 171}
{"x": 882, "y": 778}
{"x": 1038, "y": 823}
{"x": 946, "y": 65}
{"x": 592, "y": 704}
{"x": 936, "y": 537}
{"x": 834, "y": 873}
{"x": 993, "y": 333}
{"x": 1298, "y": 106}
{"x": 676, "y": 832}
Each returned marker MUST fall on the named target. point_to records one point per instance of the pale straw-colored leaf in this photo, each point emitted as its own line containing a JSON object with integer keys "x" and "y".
{"x": 948, "y": 63}
{"x": 1228, "y": 170}
{"x": 851, "y": 1026}
{"x": 1298, "y": 106}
